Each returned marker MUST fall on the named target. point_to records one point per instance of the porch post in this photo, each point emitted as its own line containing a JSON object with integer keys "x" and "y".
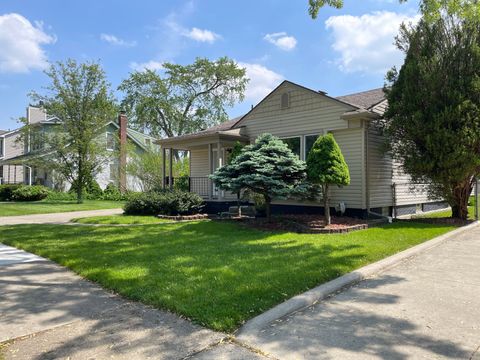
{"x": 164, "y": 159}
{"x": 209, "y": 182}
{"x": 219, "y": 164}
{"x": 170, "y": 171}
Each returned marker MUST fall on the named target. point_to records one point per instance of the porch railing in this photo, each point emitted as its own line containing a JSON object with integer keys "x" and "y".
{"x": 202, "y": 186}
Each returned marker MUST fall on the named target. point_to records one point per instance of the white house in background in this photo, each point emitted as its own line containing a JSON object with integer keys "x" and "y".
{"x": 14, "y": 154}
{"x": 298, "y": 115}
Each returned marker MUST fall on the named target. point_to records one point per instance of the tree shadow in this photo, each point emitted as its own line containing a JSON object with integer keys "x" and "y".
{"x": 351, "y": 323}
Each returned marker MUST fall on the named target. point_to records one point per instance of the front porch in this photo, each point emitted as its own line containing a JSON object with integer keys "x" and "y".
{"x": 207, "y": 152}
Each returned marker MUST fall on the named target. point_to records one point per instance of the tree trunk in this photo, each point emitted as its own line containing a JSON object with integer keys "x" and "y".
{"x": 326, "y": 205}
{"x": 461, "y": 194}
{"x": 80, "y": 181}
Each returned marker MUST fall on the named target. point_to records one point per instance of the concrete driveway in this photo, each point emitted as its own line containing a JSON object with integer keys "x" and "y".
{"x": 427, "y": 307}
{"x": 55, "y": 218}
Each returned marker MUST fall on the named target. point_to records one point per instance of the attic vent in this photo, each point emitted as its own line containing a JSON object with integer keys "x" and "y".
{"x": 285, "y": 100}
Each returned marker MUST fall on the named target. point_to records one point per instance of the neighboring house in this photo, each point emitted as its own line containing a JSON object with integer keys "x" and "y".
{"x": 15, "y": 154}
{"x": 298, "y": 115}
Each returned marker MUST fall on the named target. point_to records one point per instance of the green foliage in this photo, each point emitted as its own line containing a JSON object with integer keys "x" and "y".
{"x": 6, "y": 191}
{"x": 433, "y": 121}
{"x": 165, "y": 203}
{"x": 61, "y": 196}
{"x": 267, "y": 167}
{"x": 184, "y": 98}
{"x": 326, "y": 164}
{"x": 79, "y": 96}
{"x": 147, "y": 168}
{"x": 430, "y": 9}
{"x": 236, "y": 150}
{"x": 30, "y": 193}
{"x": 112, "y": 193}
{"x": 91, "y": 189}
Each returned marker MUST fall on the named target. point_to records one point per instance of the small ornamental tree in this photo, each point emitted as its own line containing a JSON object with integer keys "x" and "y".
{"x": 325, "y": 167}
{"x": 267, "y": 167}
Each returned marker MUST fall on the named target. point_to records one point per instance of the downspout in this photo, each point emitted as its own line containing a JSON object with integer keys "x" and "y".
{"x": 367, "y": 168}
{"x": 29, "y": 174}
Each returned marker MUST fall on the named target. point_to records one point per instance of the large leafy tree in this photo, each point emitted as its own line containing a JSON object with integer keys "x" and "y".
{"x": 326, "y": 166}
{"x": 267, "y": 167}
{"x": 183, "y": 98}
{"x": 79, "y": 96}
{"x": 431, "y": 9}
{"x": 433, "y": 119}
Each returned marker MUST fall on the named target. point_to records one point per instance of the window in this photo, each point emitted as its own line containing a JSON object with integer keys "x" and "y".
{"x": 309, "y": 141}
{"x": 285, "y": 100}
{"x": 148, "y": 142}
{"x": 294, "y": 144}
{"x": 113, "y": 172}
{"x": 1, "y": 147}
{"x": 110, "y": 141}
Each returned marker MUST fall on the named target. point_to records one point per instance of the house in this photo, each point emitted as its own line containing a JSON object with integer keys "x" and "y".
{"x": 15, "y": 154}
{"x": 298, "y": 115}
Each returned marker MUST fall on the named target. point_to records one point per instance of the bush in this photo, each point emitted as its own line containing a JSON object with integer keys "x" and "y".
{"x": 164, "y": 203}
{"x": 93, "y": 191}
{"x": 112, "y": 193}
{"x": 61, "y": 196}
{"x": 30, "y": 193}
{"x": 6, "y": 191}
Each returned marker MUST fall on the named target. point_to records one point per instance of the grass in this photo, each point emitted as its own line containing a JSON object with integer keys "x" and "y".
{"x": 46, "y": 207}
{"x": 120, "y": 219}
{"x": 445, "y": 214}
{"x": 218, "y": 274}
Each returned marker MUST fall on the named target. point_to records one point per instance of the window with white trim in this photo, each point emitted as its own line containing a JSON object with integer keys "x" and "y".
{"x": 2, "y": 142}
{"x": 309, "y": 141}
{"x": 294, "y": 144}
{"x": 113, "y": 172}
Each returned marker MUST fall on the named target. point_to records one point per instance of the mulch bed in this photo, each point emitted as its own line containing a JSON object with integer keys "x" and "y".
{"x": 310, "y": 224}
{"x": 184, "y": 217}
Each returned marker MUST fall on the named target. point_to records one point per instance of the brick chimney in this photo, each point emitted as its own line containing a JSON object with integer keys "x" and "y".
{"x": 122, "y": 132}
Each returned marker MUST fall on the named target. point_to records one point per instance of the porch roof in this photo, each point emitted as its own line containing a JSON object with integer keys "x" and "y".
{"x": 221, "y": 132}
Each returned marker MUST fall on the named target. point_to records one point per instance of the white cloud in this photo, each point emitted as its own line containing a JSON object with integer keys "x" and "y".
{"x": 149, "y": 65}
{"x": 366, "y": 43}
{"x": 112, "y": 39}
{"x": 201, "y": 35}
{"x": 281, "y": 40}
{"x": 262, "y": 81}
{"x": 21, "y": 44}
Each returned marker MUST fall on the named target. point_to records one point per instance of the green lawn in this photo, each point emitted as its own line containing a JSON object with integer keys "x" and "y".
{"x": 217, "y": 273}
{"x": 45, "y": 207}
{"x": 120, "y": 219}
{"x": 445, "y": 214}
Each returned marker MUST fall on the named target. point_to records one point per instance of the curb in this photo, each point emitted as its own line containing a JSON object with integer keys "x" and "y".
{"x": 318, "y": 293}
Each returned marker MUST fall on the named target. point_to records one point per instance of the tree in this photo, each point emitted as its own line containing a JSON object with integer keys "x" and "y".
{"x": 79, "y": 96}
{"x": 267, "y": 167}
{"x": 433, "y": 119}
{"x": 326, "y": 166}
{"x": 186, "y": 98}
{"x": 430, "y": 9}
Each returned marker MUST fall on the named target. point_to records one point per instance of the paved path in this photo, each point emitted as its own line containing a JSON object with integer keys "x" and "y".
{"x": 54, "y": 314}
{"x": 55, "y": 218}
{"x": 427, "y": 307}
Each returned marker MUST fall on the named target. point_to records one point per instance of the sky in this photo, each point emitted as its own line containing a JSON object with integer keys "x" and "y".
{"x": 341, "y": 52}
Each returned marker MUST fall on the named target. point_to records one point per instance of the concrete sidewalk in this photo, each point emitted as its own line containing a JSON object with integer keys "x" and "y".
{"x": 427, "y": 307}
{"x": 48, "y": 312}
{"x": 55, "y": 218}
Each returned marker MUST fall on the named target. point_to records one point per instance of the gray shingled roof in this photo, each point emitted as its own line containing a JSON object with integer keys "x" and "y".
{"x": 3, "y": 132}
{"x": 365, "y": 99}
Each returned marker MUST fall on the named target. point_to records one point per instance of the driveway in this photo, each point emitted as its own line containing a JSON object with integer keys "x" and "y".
{"x": 55, "y": 218}
{"x": 427, "y": 307}
{"x": 48, "y": 312}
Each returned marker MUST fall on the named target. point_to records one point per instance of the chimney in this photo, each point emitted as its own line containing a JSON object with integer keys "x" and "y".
{"x": 122, "y": 132}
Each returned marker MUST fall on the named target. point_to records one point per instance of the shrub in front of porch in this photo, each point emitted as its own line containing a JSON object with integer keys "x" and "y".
{"x": 6, "y": 191}
{"x": 30, "y": 193}
{"x": 164, "y": 203}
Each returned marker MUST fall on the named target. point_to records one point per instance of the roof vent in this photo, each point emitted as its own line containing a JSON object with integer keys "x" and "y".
{"x": 285, "y": 100}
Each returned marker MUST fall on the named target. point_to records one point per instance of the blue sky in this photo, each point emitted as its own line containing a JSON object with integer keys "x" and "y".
{"x": 340, "y": 52}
